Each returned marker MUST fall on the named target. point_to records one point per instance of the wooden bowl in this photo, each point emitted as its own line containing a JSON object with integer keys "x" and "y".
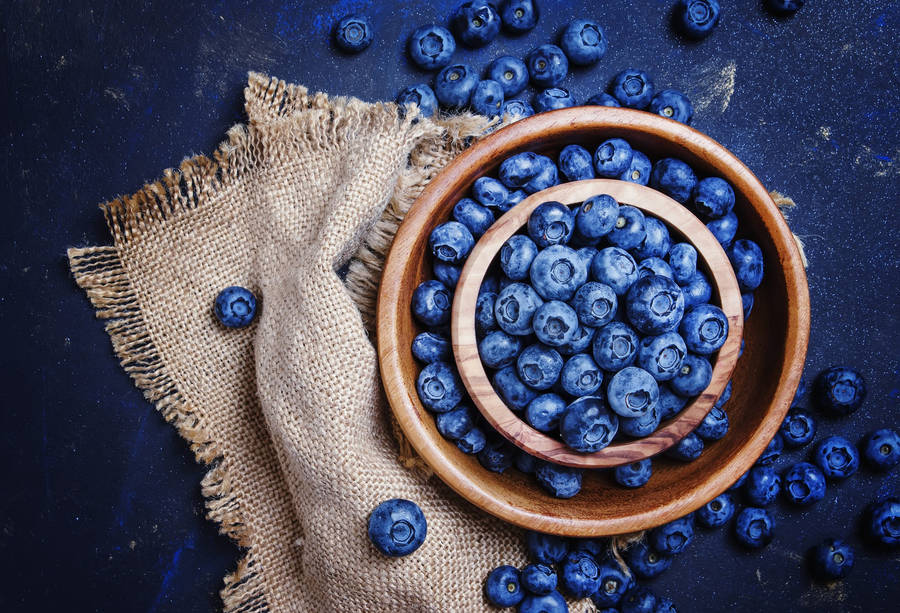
{"x": 765, "y": 379}
{"x": 684, "y": 226}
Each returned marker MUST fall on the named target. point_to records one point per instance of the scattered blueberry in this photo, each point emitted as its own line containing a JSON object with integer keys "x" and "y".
{"x": 476, "y": 23}
{"x": 672, "y": 104}
{"x": 636, "y": 474}
{"x": 547, "y": 603}
{"x": 785, "y": 6}
{"x": 613, "y": 583}
{"x": 419, "y": 95}
{"x": 754, "y": 527}
{"x": 353, "y": 33}
{"x": 546, "y": 548}
{"x": 798, "y": 429}
{"x": 674, "y": 537}
{"x": 397, "y": 527}
{"x": 538, "y": 579}
{"x": 772, "y": 451}
{"x": 697, "y": 18}
{"x": 837, "y": 457}
{"x": 584, "y": 42}
{"x": 518, "y": 109}
{"x": 510, "y": 72}
{"x": 580, "y": 575}
{"x": 431, "y": 47}
{"x": 839, "y": 391}
{"x": 762, "y": 486}
{"x": 633, "y": 88}
{"x": 235, "y": 307}
{"x": 832, "y": 559}
{"x": 547, "y": 65}
{"x": 638, "y": 599}
{"x": 487, "y": 98}
{"x": 804, "y": 484}
{"x": 717, "y": 512}
{"x": 553, "y": 98}
{"x": 519, "y": 16}
{"x": 454, "y": 85}
{"x": 883, "y": 524}
{"x": 881, "y": 449}
{"x": 646, "y": 562}
{"x": 603, "y": 99}
{"x": 502, "y": 587}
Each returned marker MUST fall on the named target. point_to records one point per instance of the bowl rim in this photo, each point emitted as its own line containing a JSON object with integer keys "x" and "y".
{"x": 474, "y": 162}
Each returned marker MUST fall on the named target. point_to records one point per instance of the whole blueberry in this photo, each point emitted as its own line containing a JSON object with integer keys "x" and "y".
{"x": 529, "y": 171}
{"x": 632, "y": 392}
{"x": 448, "y": 274}
{"x": 714, "y": 426}
{"x": 683, "y": 260}
{"x": 512, "y": 390}
{"x": 596, "y": 216}
{"x": 839, "y": 390}
{"x": 587, "y": 425}
{"x": 724, "y": 229}
{"x": 694, "y": 376}
{"x": 804, "y": 484}
{"x": 883, "y": 522}
{"x": 551, "y": 223}
{"x": 235, "y": 307}
{"x": 881, "y": 449}
{"x": 516, "y": 256}
{"x": 762, "y": 486}
{"x": 754, "y": 527}
{"x": 431, "y": 303}
{"x": 451, "y": 242}
{"x": 615, "y": 346}
{"x": 538, "y": 579}
{"x": 672, "y": 104}
{"x": 353, "y": 33}
{"x": 539, "y": 366}
{"x": 633, "y": 88}
{"x": 576, "y": 163}
{"x": 502, "y": 588}
{"x": 557, "y": 272}
{"x": 420, "y": 95}
{"x": 832, "y": 559}
{"x": 656, "y": 241}
{"x": 454, "y": 85}
{"x": 584, "y": 42}
{"x": 639, "y": 169}
{"x": 475, "y": 217}
{"x": 497, "y": 455}
{"x": 797, "y": 429}
{"x": 516, "y": 109}
{"x": 636, "y": 474}
{"x": 397, "y": 527}
{"x": 515, "y": 308}
{"x": 612, "y": 158}
{"x": 785, "y": 6}
{"x": 747, "y": 260}
{"x": 638, "y": 599}
{"x": 555, "y": 323}
{"x": 525, "y": 462}
{"x": 687, "y": 449}
{"x": 560, "y": 481}
{"x": 670, "y": 403}
{"x": 580, "y": 376}
{"x": 490, "y": 192}
{"x": 603, "y": 99}
{"x": 772, "y": 451}
{"x": 696, "y": 290}
{"x": 519, "y": 16}
{"x": 595, "y": 304}
{"x": 515, "y": 197}
{"x": 454, "y": 424}
{"x": 543, "y": 412}
{"x": 431, "y": 47}
{"x": 654, "y": 304}
{"x": 641, "y": 426}
{"x": 645, "y": 562}
{"x": 580, "y": 575}
{"x": 662, "y": 355}
{"x": 490, "y": 283}
{"x": 716, "y": 512}
{"x": 499, "y": 349}
{"x": 546, "y": 548}
{"x": 704, "y": 328}
{"x": 712, "y": 198}
{"x": 654, "y": 266}
{"x": 674, "y": 537}
{"x": 837, "y": 457}
{"x": 616, "y": 268}
{"x": 429, "y": 347}
{"x": 476, "y": 23}
{"x": 547, "y": 65}
{"x": 487, "y": 98}
{"x": 697, "y": 17}
{"x": 674, "y": 178}
{"x": 510, "y": 72}
{"x": 614, "y": 582}
{"x": 439, "y": 387}
{"x": 581, "y": 341}
{"x": 545, "y": 603}
{"x": 553, "y": 98}
{"x": 629, "y": 230}
{"x": 472, "y": 441}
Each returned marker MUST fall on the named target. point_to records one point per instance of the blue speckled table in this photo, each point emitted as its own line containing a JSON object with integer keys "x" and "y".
{"x": 101, "y": 508}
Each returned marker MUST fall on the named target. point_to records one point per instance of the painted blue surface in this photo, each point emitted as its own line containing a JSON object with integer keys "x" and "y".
{"x": 101, "y": 509}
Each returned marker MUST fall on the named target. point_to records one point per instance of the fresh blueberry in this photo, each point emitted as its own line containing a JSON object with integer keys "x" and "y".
{"x": 546, "y": 603}
{"x": 694, "y": 376}
{"x": 683, "y": 260}
{"x": 451, "y": 242}
{"x": 584, "y": 42}
{"x": 431, "y": 303}
{"x": 547, "y": 65}
{"x": 724, "y": 229}
{"x": 454, "y": 85}
{"x": 716, "y": 512}
{"x": 696, "y": 290}
{"x": 502, "y": 587}
{"x": 616, "y": 268}
{"x": 687, "y": 449}
{"x": 881, "y": 449}
{"x": 516, "y": 256}
{"x": 490, "y": 284}
{"x": 546, "y": 548}
{"x": 474, "y": 216}
{"x": 798, "y": 429}
{"x": 747, "y": 260}
{"x": 498, "y": 455}
{"x": 553, "y": 98}
{"x": 510, "y": 72}
{"x": 517, "y": 109}
{"x": 633, "y": 88}
{"x": 704, "y": 328}
{"x": 353, "y": 33}
{"x": 654, "y": 305}
{"x": 633, "y": 475}
{"x": 519, "y": 16}
{"x": 596, "y": 216}
{"x": 487, "y": 98}
{"x": 654, "y": 266}
{"x": 587, "y": 425}
{"x": 656, "y": 242}
{"x": 428, "y": 347}
{"x": 629, "y": 230}
{"x": 499, "y": 349}
{"x": 543, "y": 412}
{"x": 525, "y": 462}
{"x": 612, "y": 158}
{"x": 603, "y": 99}
{"x": 456, "y": 423}
{"x": 674, "y": 178}
{"x": 772, "y": 451}
{"x": 646, "y": 562}
{"x": 672, "y": 104}
{"x": 740, "y": 482}
{"x": 448, "y": 274}
{"x": 883, "y": 522}
{"x": 489, "y": 192}
{"x": 632, "y": 392}
{"x": 476, "y": 23}
{"x": 580, "y": 342}
{"x": 747, "y": 303}
{"x": 638, "y": 599}
{"x": 639, "y": 169}
{"x": 235, "y": 307}
{"x": 420, "y": 95}
{"x": 580, "y": 576}
{"x": 674, "y": 537}
{"x": 754, "y": 527}
{"x": 615, "y": 346}
{"x": 670, "y": 403}
{"x": 439, "y": 387}
{"x": 762, "y": 486}
{"x": 837, "y": 457}
{"x": 587, "y": 254}
{"x": 512, "y": 390}
{"x": 538, "y": 579}
{"x": 639, "y": 427}
{"x": 431, "y": 47}
{"x": 557, "y": 272}
{"x": 804, "y": 484}
{"x": 832, "y": 559}
{"x": 580, "y": 376}
{"x": 560, "y": 481}
{"x": 662, "y": 355}
{"x": 397, "y": 527}
{"x": 714, "y": 426}
{"x": 551, "y": 223}
{"x": 539, "y": 366}
{"x": 529, "y": 171}
{"x": 697, "y": 17}
{"x": 515, "y": 308}
{"x": 595, "y": 304}
{"x": 515, "y": 197}
{"x": 839, "y": 391}
{"x": 472, "y": 441}
{"x": 712, "y": 198}
{"x": 614, "y": 582}
{"x": 555, "y": 323}
{"x": 576, "y": 163}
{"x": 785, "y": 6}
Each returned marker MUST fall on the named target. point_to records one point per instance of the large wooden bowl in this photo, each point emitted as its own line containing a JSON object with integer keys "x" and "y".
{"x": 765, "y": 379}
{"x": 684, "y": 227}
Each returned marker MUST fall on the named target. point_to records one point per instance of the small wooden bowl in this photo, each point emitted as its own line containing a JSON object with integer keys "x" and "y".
{"x": 765, "y": 379}
{"x": 684, "y": 226}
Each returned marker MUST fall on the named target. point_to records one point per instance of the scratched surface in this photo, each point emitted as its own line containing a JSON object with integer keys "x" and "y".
{"x": 101, "y": 509}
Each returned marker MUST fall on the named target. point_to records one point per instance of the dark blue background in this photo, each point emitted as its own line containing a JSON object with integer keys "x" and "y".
{"x": 101, "y": 507}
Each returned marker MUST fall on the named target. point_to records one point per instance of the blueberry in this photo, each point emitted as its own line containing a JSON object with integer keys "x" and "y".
{"x": 595, "y": 304}
{"x": 553, "y": 98}
{"x": 615, "y": 346}
{"x": 632, "y": 88}
{"x": 646, "y": 562}
{"x": 587, "y": 425}
{"x": 687, "y": 449}
{"x": 519, "y": 16}
{"x": 584, "y": 42}
{"x": 674, "y": 178}
{"x": 632, "y": 392}
{"x": 516, "y": 256}
{"x": 772, "y": 451}
{"x": 547, "y": 65}
{"x": 475, "y": 217}
{"x": 596, "y": 216}
{"x": 697, "y": 17}
{"x": 448, "y": 274}
{"x": 546, "y": 548}
{"x": 510, "y": 72}
{"x": 476, "y": 23}
{"x": 656, "y": 242}
{"x": 716, "y": 512}
{"x": 596, "y": 547}
{"x": 754, "y": 527}
{"x": 704, "y": 328}
{"x": 683, "y": 260}
{"x": 712, "y": 198}
{"x": 451, "y": 242}
{"x": 454, "y": 424}
{"x": 551, "y": 223}
{"x": 804, "y": 484}
{"x": 616, "y": 268}
{"x": 397, "y": 527}
{"x": 581, "y": 341}
{"x": 654, "y": 266}
{"x": 428, "y": 347}
{"x": 499, "y": 349}
{"x": 694, "y": 376}
{"x": 747, "y": 303}
{"x": 724, "y": 229}
{"x": 639, "y": 169}
{"x": 580, "y": 575}
{"x": 638, "y": 599}
{"x": 612, "y": 158}
{"x": 662, "y": 355}
{"x": 431, "y": 47}
{"x": 546, "y": 603}
{"x": 525, "y": 462}
{"x": 557, "y": 272}
{"x": 798, "y": 429}
{"x": 762, "y": 486}
{"x": 740, "y": 482}
{"x": 881, "y": 449}
{"x": 672, "y": 104}
{"x": 603, "y": 99}
{"x": 512, "y": 390}
{"x": 431, "y": 303}
{"x": 555, "y": 323}
{"x": 515, "y": 308}
{"x": 472, "y": 441}
{"x": 490, "y": 192}
{"x": 670, "y": 403}
{"x": 714, "y": 426}
{"x": 883, "y": 522}
{"x": 639, "y": 427}
{"x": 353, "y": 33}
{"x": 538, "y": 579}
{"x": 837, "y": 457}
{"x": 785, "y": 6}
{"x": 633, "y": 475}
{"x": 654, "y": 305}
{"x": 614, "y": 582}
{"x": 747, "y": 260}
{"x": 490, "y": 284}
{"x": 560, "y": 481}
{"x": 529, "y": 171}
{"x": 832, "y": 559}
{"x": 454, "y": 85}
{"x": 487, "y": 98}
{"x": 497, "y": 455}
{"x": 580, "y": 376}
{"x": 235, "y": 307}
{"x": 439, "y": 387}
{"x": 543, "y": 412}
{"x": 724, "y": 397}
{"x": 674, "y": 537}
{"x": 420, "y": 95}
{"x": 802, "y": 389}
{"x": 518, "y": 109}
{"x": 697, "y": 290}
{"x": 839, "y": 391}
{"x": 576, "y": 164}
{"x": 502, "y": 587}
{"x": 539, "y": 366}
{"x": 629, "y": 230}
